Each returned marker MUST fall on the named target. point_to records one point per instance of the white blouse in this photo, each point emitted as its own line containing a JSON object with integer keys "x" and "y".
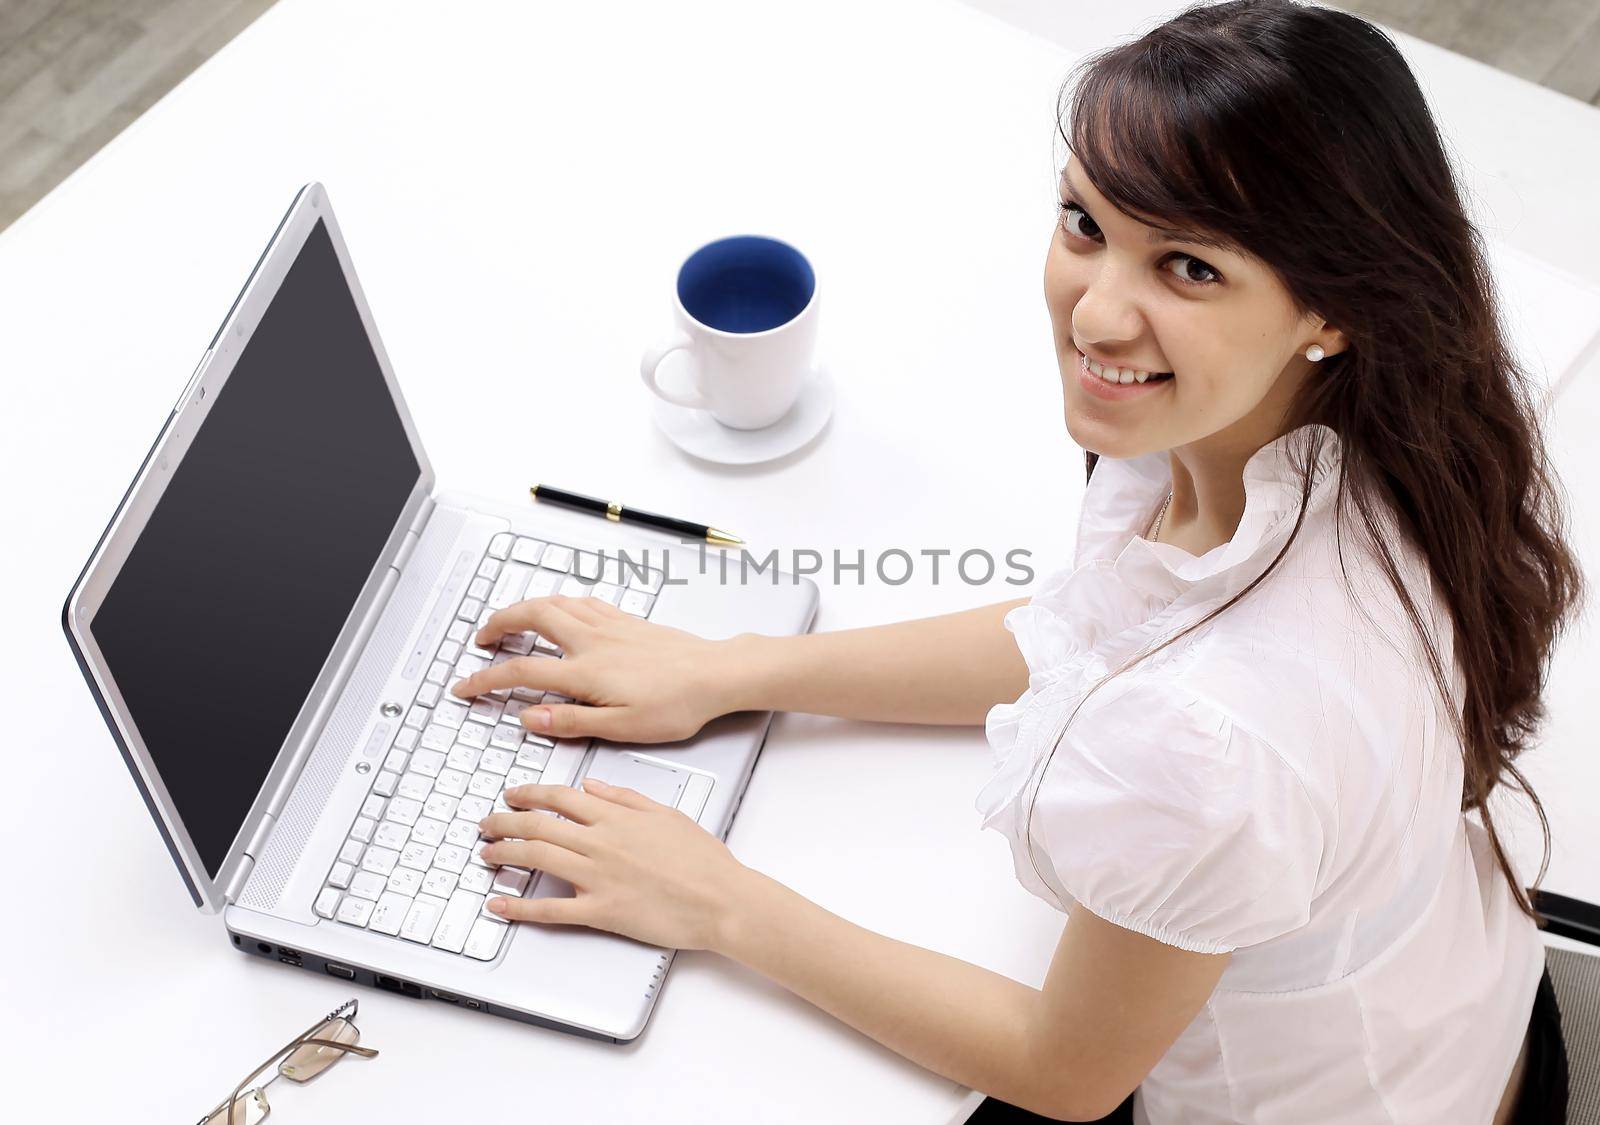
{"x": 1282, "y": 782}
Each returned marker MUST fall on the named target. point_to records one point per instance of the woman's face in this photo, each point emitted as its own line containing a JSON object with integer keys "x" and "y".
{"x": 1216, "y": 320}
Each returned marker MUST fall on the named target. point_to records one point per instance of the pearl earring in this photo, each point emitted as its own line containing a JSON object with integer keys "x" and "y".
{"x": 1314, "y": 352}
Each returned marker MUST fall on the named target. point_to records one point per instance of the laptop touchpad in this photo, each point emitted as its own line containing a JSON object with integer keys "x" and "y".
{"x": 656, "y": 781}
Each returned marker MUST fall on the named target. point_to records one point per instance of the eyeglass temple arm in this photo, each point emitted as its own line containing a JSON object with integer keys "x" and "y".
{"x": 365, "y": 1052}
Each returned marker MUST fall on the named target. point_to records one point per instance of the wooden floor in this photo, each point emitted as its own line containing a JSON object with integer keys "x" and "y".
{"x": 75, "y": 73}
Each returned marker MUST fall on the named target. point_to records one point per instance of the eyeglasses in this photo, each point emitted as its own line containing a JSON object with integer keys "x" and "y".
{"x": 309, "y": 1054}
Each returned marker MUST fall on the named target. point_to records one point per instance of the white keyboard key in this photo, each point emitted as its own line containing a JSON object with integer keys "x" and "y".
{"x": 470, "y": 608}
{"x": 586, "y": 564}
{"x": 607, "y": 592}
{"x": 575, "y": 587}
{"x": 351, "y": 852}
{"x": 468, "y": 664}
{"x": 496, "y": 760}
{"x": 461, "y": 833}
{"x": 417, "y": 856}
{"x": 390, "y": 913}
{"x": 636, "y": 602}
{"x": 392, "y": 835}
{"x": 451, "y": 713}
{"x": 373, "y": 806}
{"x": 500, "y": 804}
{"x": 474, "y": 808}
{"x": 415, "y": 786}
{"x": 422, "y": 918}
{"x": 428, "y": 762}
{"x": 484, "y": 940}
{"x": 456, "y": 921}
{"x": 439, "y": 883}
{"x": 479, "y": 588}
{"x": 544, "y": 582}
{"x": 512, "y": 582}
{"x": 439, "y": 671}
{"x": 517, "y": 644}
{"x": 463, "y": 757}
{"x": 387, "y": 780}
{"x": 474, "y": 734}
{"x": 611, "y": 570}
{"x": 354, "y": 911}
{"x": 367, "y": 885}
{"x": 417, "y": 718}
{"x": 362, "y": 829}
{"x": 511, "y": 881}
{"x": 500, "y": 545}
{"x": 430, "y": 831}
{"x": 479, "y": 858}
{"x": 472, "y": 648}
{"x": 340, "y": 875}
{"x": 396, "y": 761}
{"x": 451, "y": 858}
{"x": 485, "y": 784}
{"x": 428, "y": 694}
{"x": 379, "y": 861}
{"x": 327, "y": 902}
{"x": 450, "y": 650}
{"x": 649, "y": 581}
{"x": 406, "y": 740}
{"x": 544, "y": 644}
{"x": 527, "y": 550}
{"x": 527, "y": 694}
{"x": 404, "y": 811}
{"x": 452, "y": 782}
{"x": 508, "y": 736}
{"x": 478, "y": 879}
{"x": 458, "y": 631}
{"x": 404, "y": 881}
{"x": 533, "y": 755}
{"x": 520, "y": 775}
{"x": 556, "y": 557}
{"x": 438, "y": 737}
{"x": 487, "y": 711}
{"x": 488, "y": 568}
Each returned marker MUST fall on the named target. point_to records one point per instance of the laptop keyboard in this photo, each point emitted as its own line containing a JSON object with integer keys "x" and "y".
{"x": 409, "y": 867}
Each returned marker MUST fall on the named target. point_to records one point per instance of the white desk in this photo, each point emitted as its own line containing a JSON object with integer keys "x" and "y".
{"x": 518, "y": 184}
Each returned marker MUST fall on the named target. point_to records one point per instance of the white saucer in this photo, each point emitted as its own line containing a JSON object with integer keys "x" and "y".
{"x": 696, "y": 432}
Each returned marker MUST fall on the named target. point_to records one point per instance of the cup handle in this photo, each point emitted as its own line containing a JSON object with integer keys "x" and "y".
{"x": 652, "y": 360}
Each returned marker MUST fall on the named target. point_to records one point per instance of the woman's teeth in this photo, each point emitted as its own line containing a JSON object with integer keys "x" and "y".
{"x": 1121, "y": 374}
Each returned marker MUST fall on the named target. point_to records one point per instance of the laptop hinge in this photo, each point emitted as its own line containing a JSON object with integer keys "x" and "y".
{"x": 247, "y": 861}
{"x": 413, "y": 535}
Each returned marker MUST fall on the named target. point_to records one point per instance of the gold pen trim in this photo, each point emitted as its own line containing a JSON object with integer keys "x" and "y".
{"x": 722, "y": 538}
{"x": 613, "y": 511}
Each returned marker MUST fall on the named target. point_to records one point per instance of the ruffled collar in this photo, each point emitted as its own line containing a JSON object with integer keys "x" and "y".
{"x": 1121, "y": 589}
{"x": 1123, "y": 495}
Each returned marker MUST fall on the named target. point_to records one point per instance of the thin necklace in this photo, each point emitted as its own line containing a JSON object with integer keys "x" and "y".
{"x": 1155, "y": 529}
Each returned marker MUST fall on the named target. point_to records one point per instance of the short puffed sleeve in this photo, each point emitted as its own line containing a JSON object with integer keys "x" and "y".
{"x": 1162, "y": 815}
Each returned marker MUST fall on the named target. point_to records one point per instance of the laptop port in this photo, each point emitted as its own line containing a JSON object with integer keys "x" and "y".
{"x": 344, "y": 971}
{"x": 445, "y": 996}
{"x": 291, "y": 960}
{"x": 475, "y": 1005}
{"x": 263, "y": 947}
{"x": 285, "y": 951}
{"x": 405, "y": 987}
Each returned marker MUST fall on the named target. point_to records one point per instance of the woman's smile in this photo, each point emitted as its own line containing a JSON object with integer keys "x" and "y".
{"x": 1104, "y": 381}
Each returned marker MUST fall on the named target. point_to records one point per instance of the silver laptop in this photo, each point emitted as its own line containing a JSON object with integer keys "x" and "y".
{"x": 270, "y": 623}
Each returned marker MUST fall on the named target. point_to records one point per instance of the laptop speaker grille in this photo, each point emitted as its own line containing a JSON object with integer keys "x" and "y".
{"x": 341, "y": 737}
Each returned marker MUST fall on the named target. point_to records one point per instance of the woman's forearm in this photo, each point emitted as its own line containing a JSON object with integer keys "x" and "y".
{"x": 970, "y": 1025}
{"x": 946, "y": 669}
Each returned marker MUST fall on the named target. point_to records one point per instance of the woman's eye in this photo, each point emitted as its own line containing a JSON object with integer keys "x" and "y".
{"x": 1190, "y": 266}
{"x": 1191, "y": 271}
{"x": 1071, "y": 212}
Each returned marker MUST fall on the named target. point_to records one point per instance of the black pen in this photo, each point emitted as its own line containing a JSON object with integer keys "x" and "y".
{"x": 612, "y": 510}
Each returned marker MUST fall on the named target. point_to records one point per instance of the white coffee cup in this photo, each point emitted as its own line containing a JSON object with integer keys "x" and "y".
{"x": 746, "y": 314}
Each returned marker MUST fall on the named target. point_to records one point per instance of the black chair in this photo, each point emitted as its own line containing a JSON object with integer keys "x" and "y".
{"x": 1575, "y": 977}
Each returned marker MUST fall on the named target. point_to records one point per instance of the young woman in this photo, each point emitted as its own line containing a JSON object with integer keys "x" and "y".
{"x": 1252, "y": 729}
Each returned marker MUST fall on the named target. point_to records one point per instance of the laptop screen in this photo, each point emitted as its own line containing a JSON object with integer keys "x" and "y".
{"x": 221, "y": 619}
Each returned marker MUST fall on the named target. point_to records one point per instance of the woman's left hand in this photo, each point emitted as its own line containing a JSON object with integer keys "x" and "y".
{"x": 640, "y": 869}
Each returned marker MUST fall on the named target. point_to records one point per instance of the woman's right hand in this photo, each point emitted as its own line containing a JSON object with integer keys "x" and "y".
{"x": 630, "y": 680}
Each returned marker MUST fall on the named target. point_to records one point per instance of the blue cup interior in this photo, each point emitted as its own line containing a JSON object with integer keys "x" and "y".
{"x": 746, "y": 284}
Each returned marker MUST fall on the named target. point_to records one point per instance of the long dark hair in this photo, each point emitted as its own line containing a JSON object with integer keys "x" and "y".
{"x": 1299, "y": 134}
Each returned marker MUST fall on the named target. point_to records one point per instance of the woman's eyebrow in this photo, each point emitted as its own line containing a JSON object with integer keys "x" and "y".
{"x": 1158, "y": 234}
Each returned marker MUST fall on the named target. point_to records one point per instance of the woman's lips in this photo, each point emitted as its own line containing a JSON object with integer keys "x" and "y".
{"x": 1099, "y": 388}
